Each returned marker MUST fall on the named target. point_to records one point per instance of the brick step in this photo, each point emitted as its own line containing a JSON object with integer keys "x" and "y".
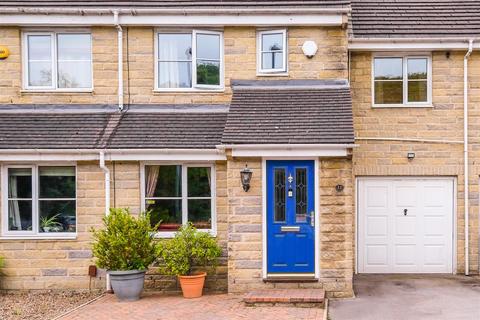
{"x": 295, "y": 297}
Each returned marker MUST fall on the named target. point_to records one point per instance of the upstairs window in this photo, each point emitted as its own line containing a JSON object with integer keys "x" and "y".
{"x": 189, "y": 60}
{"x": 272, "y": 51}
{"x": 404, "y": 80}
{"x": 57, "y": 61}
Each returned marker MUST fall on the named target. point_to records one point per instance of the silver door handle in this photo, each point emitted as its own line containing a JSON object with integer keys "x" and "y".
{"x": 312, "y": 218}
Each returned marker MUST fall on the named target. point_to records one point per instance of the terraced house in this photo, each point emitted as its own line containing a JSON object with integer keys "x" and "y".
{"x": 352, "y": 123}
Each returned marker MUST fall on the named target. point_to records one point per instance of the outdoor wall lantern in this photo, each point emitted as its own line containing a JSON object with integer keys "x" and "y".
{"x": 245, "y": 177}
{"x": 339, "y": 187}
{"x": 411, "y": 155}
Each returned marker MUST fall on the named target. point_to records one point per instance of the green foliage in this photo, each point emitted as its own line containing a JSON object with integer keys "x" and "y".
{"x": 2, "y": 265}
{"x": 125, "y": 243}
{"x": 189, "y": 248}
{"x": 50, "y": 222}
{"x": 208, "y": 74}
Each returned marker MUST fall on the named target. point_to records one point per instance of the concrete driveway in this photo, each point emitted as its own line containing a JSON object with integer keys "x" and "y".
{"x": 404, "y": 297}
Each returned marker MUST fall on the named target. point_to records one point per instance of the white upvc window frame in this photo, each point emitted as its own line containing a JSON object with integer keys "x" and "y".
{"x": 260, "y": 70}
{"x": 54, "y": 57}
{"x": 34, "y": 233}
{"x": 404, "y": 57}
{"x": 195, "y": 86}
{"x": 184, "y": 197}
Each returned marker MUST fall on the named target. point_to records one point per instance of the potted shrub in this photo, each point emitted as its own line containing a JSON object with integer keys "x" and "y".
{"x": 125, "y": 247}
{"x": 181, "y": 255}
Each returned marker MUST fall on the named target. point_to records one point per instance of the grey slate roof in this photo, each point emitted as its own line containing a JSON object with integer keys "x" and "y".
{"x": 165, "y": 129}
{"x": 176, "y": 3}
{"x": 169, "y": 131}
{"x": 290, "y": 112}
{"x": 415, "y": 18}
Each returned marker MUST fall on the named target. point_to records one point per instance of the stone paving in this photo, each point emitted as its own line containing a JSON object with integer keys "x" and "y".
{"x": 209, "y": 307}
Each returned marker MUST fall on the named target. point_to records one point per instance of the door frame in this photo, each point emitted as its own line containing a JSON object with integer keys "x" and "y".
{"x": 316, "y": 185}
{"x": 454, "y": 211}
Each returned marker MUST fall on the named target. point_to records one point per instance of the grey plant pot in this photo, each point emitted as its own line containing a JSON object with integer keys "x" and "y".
{"x": 127, "y": 285}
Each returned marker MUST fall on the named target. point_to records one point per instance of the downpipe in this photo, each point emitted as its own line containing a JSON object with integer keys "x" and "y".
{"x": 120, "y": 58}
{"x": 465, "y": 156}
{"x": 106, "y": 171}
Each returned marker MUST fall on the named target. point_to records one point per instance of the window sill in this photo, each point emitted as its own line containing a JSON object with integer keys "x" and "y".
{"x": 171, "y": 234}
{"x": 88, "y": 91}
{"x": 273, "y": 74}
{"x": 388, "y": 106}
{"x": 194, "y": 90}
{"x": 39, "y": 237}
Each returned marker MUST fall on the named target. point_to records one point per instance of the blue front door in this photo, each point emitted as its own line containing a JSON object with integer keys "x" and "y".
{"x": 290, "y": 217}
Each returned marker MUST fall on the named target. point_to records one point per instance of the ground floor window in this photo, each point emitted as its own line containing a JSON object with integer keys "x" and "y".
{"x": 39, "y": 200}
{"x": 175, "y": 194}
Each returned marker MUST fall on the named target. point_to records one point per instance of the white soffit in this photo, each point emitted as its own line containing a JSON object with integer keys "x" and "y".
{"x": 290, "y": 151}
{"x": 175, "y": 19}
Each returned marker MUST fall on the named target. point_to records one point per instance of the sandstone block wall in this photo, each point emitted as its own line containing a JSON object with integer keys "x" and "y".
{"x": 442, "y": 121}
{"x": 63, "y": 264}
{"x": 240, "y": 63}
{"x": 336, "y": 229}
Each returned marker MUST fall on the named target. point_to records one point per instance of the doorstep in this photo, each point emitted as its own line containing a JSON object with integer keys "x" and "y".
{"x": 295, "y": 297}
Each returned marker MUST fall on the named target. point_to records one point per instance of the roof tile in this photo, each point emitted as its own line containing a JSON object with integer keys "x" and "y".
{"x": 415, "y": 19}
{"x": 293, "y": 113}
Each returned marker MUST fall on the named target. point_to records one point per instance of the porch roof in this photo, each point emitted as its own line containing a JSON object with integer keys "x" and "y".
{"x": 290, "y": 112}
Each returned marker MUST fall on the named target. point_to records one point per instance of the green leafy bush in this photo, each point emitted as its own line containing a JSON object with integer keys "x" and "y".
{"x": 188, "y": 249}
{"x": 125, "y": 242}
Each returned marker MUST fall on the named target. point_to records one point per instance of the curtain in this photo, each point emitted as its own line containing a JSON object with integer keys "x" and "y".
{"x": 13, "y": 208}
{"x": 209, "y": 180}
{"x": 169, "y": 70}
{"x": 151, "y": 178}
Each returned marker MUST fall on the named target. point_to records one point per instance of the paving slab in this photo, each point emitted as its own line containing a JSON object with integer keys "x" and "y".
{"x": 209, "y": 307}
{"x": 404, "y": 297}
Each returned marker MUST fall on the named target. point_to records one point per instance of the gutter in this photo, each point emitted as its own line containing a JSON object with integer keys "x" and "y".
{"x": 465, "y": 154}
{"x": 175, "y": 11}
{"x": 107, "y": 201}
{"x": 120, "y": 58}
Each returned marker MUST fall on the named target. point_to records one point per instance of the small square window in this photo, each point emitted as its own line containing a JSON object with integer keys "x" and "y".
{"x": 272, "y": 51}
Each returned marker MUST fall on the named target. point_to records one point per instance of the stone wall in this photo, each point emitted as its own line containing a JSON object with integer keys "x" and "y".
{"x": 63, "y": 264}
{"x": 240, "y": 63}
{"x": 442, "y": 121}
{"x": 216, "y": 281}
{"x": 104, "y": 44}
{"x": 336, "y": 229}
{"x": 60, "y": 264}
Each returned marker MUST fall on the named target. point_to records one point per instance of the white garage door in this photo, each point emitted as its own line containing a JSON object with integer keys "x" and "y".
{"x": 405, "y": 225}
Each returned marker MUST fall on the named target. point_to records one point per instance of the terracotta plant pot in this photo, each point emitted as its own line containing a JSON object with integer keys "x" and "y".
{"x": 192, "y": 286}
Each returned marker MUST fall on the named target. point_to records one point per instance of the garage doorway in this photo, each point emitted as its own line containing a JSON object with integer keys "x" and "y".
{"x": 405, "y": 225}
